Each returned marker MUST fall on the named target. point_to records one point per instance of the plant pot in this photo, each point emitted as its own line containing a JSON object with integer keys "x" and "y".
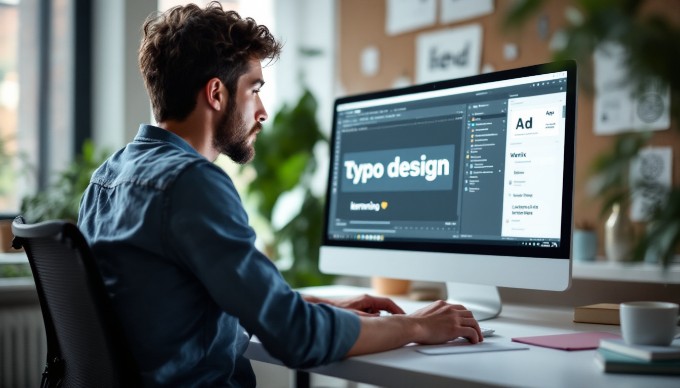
{"x": 6, "y": 236}
{"x": 585, "y": 245}
{"x": 388, "y": 286}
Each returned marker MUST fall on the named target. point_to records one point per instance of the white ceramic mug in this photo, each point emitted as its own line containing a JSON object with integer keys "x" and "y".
{"x": 648, "y": 323}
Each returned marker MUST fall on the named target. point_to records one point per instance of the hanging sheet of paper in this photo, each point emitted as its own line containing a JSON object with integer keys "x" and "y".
{"x": 619, "y": 107}
{"x": 651, "y": 178}
{"x": 457, "y": 10}
{"x": 370, "y": 61}
{"x": 446, "y": 54}
{"x": 409, "y": 15}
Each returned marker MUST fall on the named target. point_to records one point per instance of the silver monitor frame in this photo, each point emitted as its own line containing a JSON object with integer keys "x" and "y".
{"x": 472, "y": 276}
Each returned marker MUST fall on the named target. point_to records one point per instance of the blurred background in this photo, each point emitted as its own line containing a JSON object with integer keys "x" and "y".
{"x": 71, "y": 93}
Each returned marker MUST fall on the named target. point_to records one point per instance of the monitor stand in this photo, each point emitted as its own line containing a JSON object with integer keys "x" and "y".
{"x": 484, "y": 301}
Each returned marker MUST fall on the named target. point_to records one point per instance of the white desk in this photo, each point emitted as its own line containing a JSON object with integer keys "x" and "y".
{"x": 536, "y": 367}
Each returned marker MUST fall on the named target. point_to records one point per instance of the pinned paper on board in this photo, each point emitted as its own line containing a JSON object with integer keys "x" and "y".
{"x": 651, "y": 179}
{"x": 409, "y": 15}
{"x": 370, "y": 61}
{"x": 619, "y": 107}
{"x": 510, "y": 51}
{"x": 457, "y": 10}
{"x": 401, "y": 82}
{"x": 446, "y": 54}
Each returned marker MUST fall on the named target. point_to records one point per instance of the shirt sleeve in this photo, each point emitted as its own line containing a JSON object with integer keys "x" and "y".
{"x": 207, "y": 231}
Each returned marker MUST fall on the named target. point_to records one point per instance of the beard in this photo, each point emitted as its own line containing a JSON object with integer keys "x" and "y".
{"x": 232, "y": 136}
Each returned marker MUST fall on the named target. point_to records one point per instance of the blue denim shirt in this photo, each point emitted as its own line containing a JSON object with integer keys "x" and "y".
{"x": 174, "y": 247}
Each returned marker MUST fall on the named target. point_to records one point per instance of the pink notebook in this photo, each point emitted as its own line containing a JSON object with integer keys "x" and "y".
{"x": 572, "y": 341}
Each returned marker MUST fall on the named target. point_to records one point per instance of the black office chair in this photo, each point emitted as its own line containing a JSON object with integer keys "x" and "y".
{"x": 85, "y": 344}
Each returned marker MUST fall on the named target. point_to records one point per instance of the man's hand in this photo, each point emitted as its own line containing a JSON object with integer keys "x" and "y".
{"x": 441, "y": 322}
{"x": 436, "y": 323}
{"x": 364, "y": 305}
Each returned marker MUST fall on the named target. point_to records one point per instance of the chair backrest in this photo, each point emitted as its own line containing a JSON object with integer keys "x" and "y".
{"x": 85, "y": 343}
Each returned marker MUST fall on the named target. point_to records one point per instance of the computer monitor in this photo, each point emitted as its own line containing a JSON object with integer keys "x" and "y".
{"x": 467, "y": 181}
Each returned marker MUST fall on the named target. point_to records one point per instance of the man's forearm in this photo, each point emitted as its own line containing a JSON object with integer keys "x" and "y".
{"x": 379, "y": 334}
{"x": 314, "y": 299}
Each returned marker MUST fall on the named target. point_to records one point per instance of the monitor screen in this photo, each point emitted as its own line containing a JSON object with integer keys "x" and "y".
{"x": 468, "y": 180}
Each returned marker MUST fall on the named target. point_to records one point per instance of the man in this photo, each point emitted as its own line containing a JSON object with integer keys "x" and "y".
{"x": 172, "y": 239}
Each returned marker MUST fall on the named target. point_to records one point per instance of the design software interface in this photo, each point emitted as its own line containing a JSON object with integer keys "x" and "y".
{"x": 480, "y": 163}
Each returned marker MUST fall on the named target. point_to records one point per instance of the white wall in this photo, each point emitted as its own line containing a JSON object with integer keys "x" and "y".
{"x": 309, "y": 24}
{"x": 120, "y": 102}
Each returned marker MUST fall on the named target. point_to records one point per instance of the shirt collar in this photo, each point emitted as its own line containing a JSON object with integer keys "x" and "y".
{"x": 149, "y": 132}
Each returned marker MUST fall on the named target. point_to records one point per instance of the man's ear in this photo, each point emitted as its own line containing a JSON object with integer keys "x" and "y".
{"x": 216, "y": 93}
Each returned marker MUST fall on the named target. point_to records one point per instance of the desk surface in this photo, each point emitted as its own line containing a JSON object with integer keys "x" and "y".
{"x": 536, "y": 367}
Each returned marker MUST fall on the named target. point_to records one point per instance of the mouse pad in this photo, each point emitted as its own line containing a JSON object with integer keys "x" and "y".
{"x": 572, "y": 341}
{"x": 463, "y": 346}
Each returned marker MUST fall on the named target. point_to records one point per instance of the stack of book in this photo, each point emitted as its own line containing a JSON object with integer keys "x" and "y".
{"x": 604, "y": 313}
{"x": 615, "y": 356}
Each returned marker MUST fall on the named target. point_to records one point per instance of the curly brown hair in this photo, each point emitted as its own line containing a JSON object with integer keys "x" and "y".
{"x": 186, "y": 46}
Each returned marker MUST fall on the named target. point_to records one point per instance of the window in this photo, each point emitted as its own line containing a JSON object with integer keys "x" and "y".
{"x": 37, "y": 73}
{"x": 9, "y": 101}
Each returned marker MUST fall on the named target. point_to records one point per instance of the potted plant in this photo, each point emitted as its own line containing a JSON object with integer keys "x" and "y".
{"x": 648, "y": 40}
{"x": 9, "y": 266}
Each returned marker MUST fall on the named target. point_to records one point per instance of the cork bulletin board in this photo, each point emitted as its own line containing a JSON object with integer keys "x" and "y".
{"x": 361, "y": 24}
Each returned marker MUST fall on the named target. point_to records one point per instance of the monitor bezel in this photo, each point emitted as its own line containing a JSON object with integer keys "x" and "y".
{"x": 464, "y": 246}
